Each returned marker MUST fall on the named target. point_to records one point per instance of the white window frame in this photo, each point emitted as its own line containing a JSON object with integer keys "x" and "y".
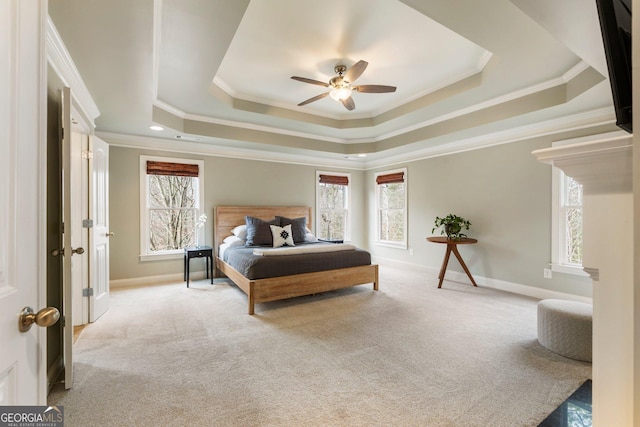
{"x": 378, "y": 241}
{"x": 558, "y": 225}
{"x": 145, "y": 254}
{"x": 347, "y": 222}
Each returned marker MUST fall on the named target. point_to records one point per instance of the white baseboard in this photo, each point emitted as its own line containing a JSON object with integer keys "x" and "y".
{"x": 516, "y": 288}
{"x": 136, "y": 282}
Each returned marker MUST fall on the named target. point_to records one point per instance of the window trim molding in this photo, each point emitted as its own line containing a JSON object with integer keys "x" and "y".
{"x": 405, "y": 243}
{"x": 347, "y": 231}
{"x": 144, "y": 220}
{"x": 557, "y": 238}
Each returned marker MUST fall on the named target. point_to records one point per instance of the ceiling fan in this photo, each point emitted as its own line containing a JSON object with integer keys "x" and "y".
{"x": 341, "y": 85}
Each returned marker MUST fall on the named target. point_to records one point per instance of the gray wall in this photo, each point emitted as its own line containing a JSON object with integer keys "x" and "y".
{"x": 227, "y": 181}
{"x": 502, "y": 190}
{"x": 505, "y": 193}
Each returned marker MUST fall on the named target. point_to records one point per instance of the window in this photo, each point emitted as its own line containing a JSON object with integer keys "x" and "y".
{"x": 171, "y": 191}
{"x": 333, "y": 201}
{"x": 566, "y": 224}
{"x": 391, "y": 204}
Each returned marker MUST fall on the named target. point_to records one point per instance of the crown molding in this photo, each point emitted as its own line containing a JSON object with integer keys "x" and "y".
{"x": 375, "y": 116}
{"x": 207, "y": 149}
{"x": 60, "y": 60}
{"x": 545, "y": 94}
{"x": 589, "y": 119}
{"x": 502, "y": 99}
{"x": 234, "y": 123}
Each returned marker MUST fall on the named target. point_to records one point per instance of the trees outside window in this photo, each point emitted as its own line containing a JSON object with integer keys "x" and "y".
{"x": 173, "y": 209}
{"x": 170, "y": 204}
{"x": 333, "y": 200}
{"x": 571, "y": 216}
{"x": 391, "y": 202}
{"x": 566, "y": 224}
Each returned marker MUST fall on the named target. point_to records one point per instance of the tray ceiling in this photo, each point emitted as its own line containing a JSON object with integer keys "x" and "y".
{"x": 217, "y": 73}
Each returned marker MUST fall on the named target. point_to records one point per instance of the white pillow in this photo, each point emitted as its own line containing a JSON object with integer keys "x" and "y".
{"x": 311, "y": 238}
{"x": 240, "y": 231}
{"x": 282, "y": 236}
{"x": 233, "y": 241}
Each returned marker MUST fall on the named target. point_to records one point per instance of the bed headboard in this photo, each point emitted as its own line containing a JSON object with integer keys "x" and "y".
{"x": 227, "y": 217}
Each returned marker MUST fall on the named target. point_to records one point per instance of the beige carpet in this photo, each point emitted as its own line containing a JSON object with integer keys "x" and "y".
{"x": 407, "y": 355}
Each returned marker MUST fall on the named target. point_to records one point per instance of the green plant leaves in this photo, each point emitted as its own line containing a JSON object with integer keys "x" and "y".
{"x": 451, "y": 225}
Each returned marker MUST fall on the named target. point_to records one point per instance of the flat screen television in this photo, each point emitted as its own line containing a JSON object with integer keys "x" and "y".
{"x": 615, "y": 25}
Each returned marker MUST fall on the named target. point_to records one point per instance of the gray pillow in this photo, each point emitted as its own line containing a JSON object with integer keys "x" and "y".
{"x": 298, "y": 227}
{"x": 259, "y": 232}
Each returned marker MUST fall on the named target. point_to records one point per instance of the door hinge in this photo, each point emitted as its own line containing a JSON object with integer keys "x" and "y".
{"x": 87, "y": 292}
{"x": 87, "y": 154}
{"x": 87, "y": 223}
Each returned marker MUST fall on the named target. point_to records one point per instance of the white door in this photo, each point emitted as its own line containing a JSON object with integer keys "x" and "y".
{"x": 23, "y": 378}
{"x": 100, "y": 233}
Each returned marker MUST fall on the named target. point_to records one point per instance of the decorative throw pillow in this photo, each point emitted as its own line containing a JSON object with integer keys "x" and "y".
{"x": 298, "y": 227}
{"x": 233, "y": 241}
{"x": 240, "y": 231}
{"x": 282, "y": 236}
{"x": 258, "y": 231}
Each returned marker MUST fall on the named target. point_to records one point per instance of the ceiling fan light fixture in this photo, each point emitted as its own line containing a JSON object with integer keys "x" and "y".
{"x": 340, "y": 93}
{"x": 339, "y": 87}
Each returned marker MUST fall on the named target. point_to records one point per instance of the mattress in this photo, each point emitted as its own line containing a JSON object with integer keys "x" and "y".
{"x": 253, "y": 267}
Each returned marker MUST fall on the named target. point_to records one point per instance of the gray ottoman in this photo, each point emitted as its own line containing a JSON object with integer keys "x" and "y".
{"x": 564, "y": 327}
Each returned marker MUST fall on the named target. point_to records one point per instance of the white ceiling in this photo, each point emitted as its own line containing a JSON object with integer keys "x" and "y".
{"x": 288, "y": 45}
{"x": 217, "y": 73}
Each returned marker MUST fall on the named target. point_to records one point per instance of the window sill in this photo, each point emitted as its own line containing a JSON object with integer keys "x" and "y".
{"x": 162, "y": 257}
{"x": 392, "y": 245}
{"x": 569, "y": 269}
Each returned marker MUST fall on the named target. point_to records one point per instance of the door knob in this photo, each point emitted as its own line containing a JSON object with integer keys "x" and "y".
{"x": 57, "y": 252}
{"x": 45, "y": 318}
{"x": 111, "y": 234}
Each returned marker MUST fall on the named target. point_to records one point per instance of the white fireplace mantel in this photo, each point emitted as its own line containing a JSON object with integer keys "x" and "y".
{"x": 603, "y": 164}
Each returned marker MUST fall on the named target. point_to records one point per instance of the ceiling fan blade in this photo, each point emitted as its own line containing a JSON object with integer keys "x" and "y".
{"x": 348, "y": 103}
{"x": 355, "y": 71}
{"x": 311, "y": 81}
{"x": 374, "y": 88}
{"x": 315, "y": 98}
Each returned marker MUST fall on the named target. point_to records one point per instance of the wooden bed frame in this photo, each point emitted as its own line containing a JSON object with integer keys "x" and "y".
{"x": 277, "y": 288}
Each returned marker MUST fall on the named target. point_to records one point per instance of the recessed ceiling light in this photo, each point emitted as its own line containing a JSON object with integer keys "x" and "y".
{"x": 362, "y": 155}
{"x": 156, "y": 127}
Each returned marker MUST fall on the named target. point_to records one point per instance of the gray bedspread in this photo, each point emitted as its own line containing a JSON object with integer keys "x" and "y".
{"x": 261, "y": 267}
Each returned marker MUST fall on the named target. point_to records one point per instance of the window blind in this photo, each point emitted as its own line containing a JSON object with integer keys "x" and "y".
{"x": 334, "y": 179}
{"x": 392, "y": 178}
{"x": 175, "y": 169}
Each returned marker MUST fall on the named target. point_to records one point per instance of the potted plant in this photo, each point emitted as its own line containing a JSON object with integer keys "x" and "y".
{"x": 452, "y": 226}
